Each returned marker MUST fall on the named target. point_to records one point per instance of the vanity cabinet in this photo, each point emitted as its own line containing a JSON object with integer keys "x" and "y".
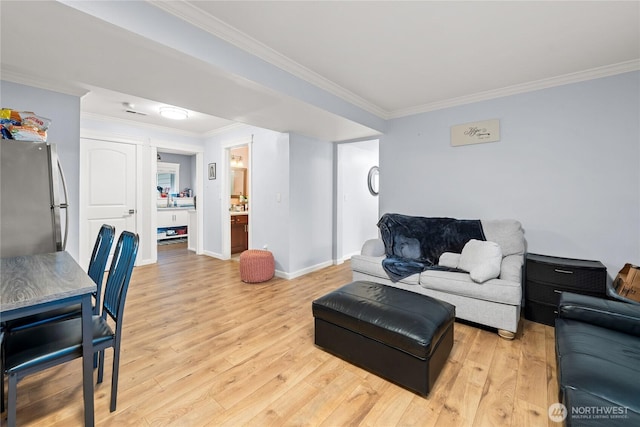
{"x": 239, "y": 233}
{"x": 172, "y": 218}
{"x": 172, "y": 223}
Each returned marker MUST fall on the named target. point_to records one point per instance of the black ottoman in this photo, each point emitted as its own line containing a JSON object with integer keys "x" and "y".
{"x": 399, "y": 335}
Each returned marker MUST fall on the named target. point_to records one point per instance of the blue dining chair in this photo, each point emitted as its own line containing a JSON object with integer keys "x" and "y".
{"x": 97, "y": 265}
{"x": 34, "y": 349}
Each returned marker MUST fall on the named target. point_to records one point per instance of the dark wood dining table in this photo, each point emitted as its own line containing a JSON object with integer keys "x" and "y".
{"x": 34, "y": 284}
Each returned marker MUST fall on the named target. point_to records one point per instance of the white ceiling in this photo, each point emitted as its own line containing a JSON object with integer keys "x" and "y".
{"x": 387, "y": 58}
{"x": 402, "y": 55}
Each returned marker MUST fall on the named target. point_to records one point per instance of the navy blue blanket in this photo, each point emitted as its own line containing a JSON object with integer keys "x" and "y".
{"x": 414, "y": 244}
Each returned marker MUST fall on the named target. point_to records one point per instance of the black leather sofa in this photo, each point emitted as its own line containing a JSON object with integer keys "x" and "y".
{"x": 598, "y": 360}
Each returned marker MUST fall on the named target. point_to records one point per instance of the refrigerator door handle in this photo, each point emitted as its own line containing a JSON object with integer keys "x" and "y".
{"x": 64, "y": 206}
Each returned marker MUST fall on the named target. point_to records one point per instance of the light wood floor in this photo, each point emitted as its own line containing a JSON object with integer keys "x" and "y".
{"x": 202, "y": 348}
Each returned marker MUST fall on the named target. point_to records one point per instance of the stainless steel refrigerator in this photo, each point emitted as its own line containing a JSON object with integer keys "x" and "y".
{"x": 33, "y": 199}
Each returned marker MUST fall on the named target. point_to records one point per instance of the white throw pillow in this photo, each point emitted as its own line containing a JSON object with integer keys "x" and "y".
{"x": 481, "y": 259}
{"x": 449, "y": 259}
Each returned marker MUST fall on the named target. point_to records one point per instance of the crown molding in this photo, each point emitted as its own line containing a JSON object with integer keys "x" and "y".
{"x": 580, "y": 76}
{"x": 18, "y": 76}
{"x": 224, "y": 129}
{"x": 187, "y": 11}
{"x": 190, "y": 13}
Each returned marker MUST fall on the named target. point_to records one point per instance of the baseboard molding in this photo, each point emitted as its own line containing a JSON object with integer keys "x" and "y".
{"x": 304, "y": 271}
{"x": 344, "y": 258}
{"x": 214, "y": 255}
{"x": 280, "y": 273}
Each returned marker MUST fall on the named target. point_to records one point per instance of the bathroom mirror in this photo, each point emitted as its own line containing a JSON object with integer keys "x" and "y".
{"x": 168, "y": 177}
{"x": 238, "y": 182}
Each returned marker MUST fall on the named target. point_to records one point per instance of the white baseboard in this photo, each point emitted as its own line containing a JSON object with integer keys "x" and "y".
{"x": 279, "y": 273}
{"x": 345, "y": 258}
{"x": 214, "y": 255}
{"x": 304, "y": 271}
{"x": 145, "y": 262}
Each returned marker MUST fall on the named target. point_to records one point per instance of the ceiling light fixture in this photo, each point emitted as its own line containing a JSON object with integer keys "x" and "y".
{"x": 174, "y": 113}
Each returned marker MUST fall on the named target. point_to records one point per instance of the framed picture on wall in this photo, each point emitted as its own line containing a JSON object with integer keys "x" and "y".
{"x": 212, "y": 171}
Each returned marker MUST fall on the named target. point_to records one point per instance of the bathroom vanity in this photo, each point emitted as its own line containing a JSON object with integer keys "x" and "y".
{"x": 239, "y": 231}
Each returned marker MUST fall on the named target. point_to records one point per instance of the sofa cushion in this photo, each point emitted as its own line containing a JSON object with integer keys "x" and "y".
{"x": 449, "y": 259}
{"x": 373, "y": 266}
{"x": 494, "y": 290}
{"x": 482, "y": 259}
{"x": 507, "y": 233}
{"x": 600, "y": 364}
{"x": 511, "y": 268}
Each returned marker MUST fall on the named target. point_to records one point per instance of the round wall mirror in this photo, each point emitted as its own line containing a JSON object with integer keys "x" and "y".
{"x": 373, "y": 180}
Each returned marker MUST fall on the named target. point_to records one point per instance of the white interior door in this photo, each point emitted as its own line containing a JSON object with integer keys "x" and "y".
{"x": 108, "y": 177}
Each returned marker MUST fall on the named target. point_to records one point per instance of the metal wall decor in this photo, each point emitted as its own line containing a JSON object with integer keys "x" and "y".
{"x": 373, "y": 180}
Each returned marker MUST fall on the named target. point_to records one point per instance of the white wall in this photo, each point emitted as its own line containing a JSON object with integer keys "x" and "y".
{"x": 269, "y": 196}
{"x": 291, "y": 197}
{"x": 312, "y": 203}
{"x": 567, "y": 167}
{"x": 269, "y": 218}
{"x": 358, "y": 213}
{"x": 64, "y": 131}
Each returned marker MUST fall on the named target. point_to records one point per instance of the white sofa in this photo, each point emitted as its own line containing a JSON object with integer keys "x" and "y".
{"x": 495, "y": 303}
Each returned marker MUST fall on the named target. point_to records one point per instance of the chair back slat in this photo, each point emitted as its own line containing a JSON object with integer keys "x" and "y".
{"x": 99, "y": 257}
{"x": 119, "y": 274}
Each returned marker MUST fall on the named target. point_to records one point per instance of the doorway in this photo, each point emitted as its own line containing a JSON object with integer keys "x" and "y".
{"x": 175, "y": 205}
{"x": 237, "y": 193}
{"x": 186, "y": 165}
{"x": 239, "y": 200}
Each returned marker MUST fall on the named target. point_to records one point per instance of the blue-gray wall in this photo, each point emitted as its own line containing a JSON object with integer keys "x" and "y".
{"x": 64, "y": 131}
{"x": 186, "y": 177}
{"x": 567, "y": 166}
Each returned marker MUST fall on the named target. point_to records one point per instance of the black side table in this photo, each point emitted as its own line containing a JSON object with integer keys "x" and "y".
{"x": 548, "y": 276}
